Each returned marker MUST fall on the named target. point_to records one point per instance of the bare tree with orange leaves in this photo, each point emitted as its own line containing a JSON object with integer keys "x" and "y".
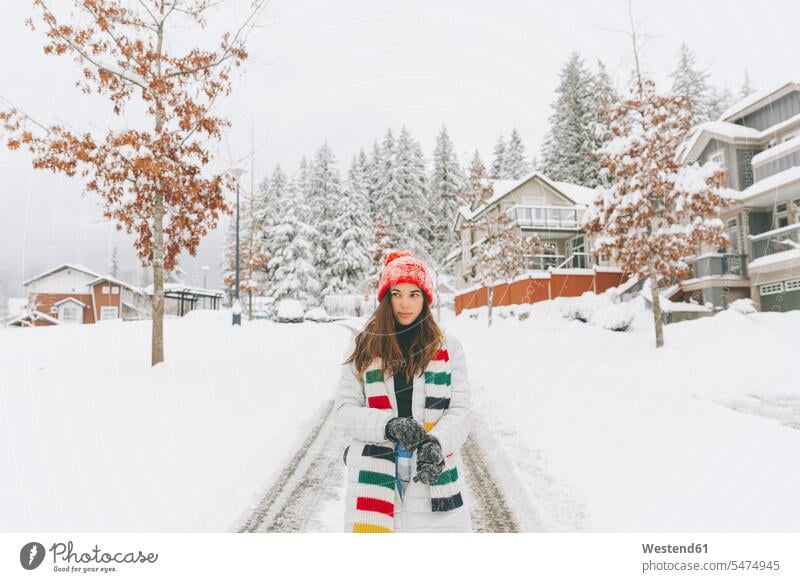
{"x": 152, "y": 179}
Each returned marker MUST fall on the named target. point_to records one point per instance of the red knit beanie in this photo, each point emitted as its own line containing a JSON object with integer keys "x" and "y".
{"x": 402, "y": 267}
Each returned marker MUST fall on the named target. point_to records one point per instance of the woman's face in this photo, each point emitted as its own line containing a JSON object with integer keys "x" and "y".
{"x": 406, "y": 302}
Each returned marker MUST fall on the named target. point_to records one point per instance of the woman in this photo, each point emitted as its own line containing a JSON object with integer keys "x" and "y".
{"x": 403, "y": 398}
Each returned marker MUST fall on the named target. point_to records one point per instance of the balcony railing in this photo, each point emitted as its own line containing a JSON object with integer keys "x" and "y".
{"x": 717, "y": 264}
{"x": 543, "y": 262}
{"x": 544, "y": 216}
{"x": 775, "y": 241}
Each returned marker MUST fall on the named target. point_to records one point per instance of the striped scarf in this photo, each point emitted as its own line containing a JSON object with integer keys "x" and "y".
{"x": 376, "y": 477}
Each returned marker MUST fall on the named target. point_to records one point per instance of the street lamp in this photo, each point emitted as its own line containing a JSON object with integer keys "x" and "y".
{"x": 237, "y": 306}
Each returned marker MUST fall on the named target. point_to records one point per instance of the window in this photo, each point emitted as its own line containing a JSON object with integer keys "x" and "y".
{"x": 716, "y": 157}
{"x": 772, "y": 288}
{"x": 792, "y": 285}
{"x": 104, "y": 290}
{"x": 733, "y": 236}
{"x": 69, "y": 313}
{"x": 781, "y": 215}
{"x": 115, "y": 290}
{"x": 108, "y": 312}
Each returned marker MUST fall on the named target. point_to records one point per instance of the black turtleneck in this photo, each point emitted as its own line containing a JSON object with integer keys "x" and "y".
{"x": 404, "y": 387}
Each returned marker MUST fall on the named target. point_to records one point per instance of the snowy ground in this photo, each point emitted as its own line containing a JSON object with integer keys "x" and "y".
{"x": 597, "y": 428}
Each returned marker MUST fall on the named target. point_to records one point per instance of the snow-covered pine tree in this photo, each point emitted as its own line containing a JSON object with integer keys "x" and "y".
{"x": 293, "y": 275}
{"x": 374, "y": 168}
{"x": 273, "y": 191}
{"x": 388, "y": 190}
{"x": 718, "y": 102}
{"x": 515, "y": 164}
{"x": 575, "y": 124}
{"x": 113, "y": 267}
{"x": 349, "y": 253}
{"x": 415, "y": 215}
{"x": 446, "y": 179}
{"x": 383, "y": 241}
{"x": 477, "y": 189}
{"x": 747, "y": 87}
{"x": 497, "y": 171}
{"x": 500, "y": 254}
{"x": 691, "y": 82}
{"x": 323, "y": 197}
{"x": 655, "y": 212}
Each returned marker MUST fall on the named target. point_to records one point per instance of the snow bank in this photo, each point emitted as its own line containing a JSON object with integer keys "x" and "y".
{"x": 695, "y": 436}
{"x": 95, "y": 439}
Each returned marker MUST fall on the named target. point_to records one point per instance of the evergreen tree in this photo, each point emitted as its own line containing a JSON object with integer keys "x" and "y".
{"x": 323, "y": 197}
{"x": 691, "y": 82}
{"x": 515, "y": 166}
{"x": 445, "y": 180}
{"x": 718, "y": 102}
{"x": 416, "y": 217}
{"x": 350, "y": 247}
{"x": 113, "y": 268}
{"x": 575, "y": 124}
{"x": 497, "y": 171}
{"x": 747, "y": 88}
{"x": 477, "y": 189}
{"x": 292, "y": 264}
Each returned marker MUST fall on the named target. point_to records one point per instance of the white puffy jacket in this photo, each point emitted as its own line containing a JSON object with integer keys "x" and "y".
{"x": 364, "y": 424}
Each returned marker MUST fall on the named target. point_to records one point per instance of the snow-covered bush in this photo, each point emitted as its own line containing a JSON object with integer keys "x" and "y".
{"x": 317, "y": 314}
{"x": 743, "y": 306}
{"x": 582, "y": 308}
{"x": 289, "y": 311}
{"x": 616, "y": 317}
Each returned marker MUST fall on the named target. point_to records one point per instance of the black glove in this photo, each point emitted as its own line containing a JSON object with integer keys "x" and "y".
{"x": 405, "y": 430}
{"x": 430, "y": 461}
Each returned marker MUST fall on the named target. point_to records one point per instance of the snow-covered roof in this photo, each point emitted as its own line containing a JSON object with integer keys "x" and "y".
{"x": 775, "y": 258}
{"x": 774, "y": 152}
{"x": 119, "y": 282}
{"x": 767, "y": 184}
{"x": 33, "y": 316}
{"x": 81, "y": 268}
{"x": 705, "y": 132}
{"x": 731, "y": 133}
{"x": 73, "y": 299}
{"x": 177, "y": 287}
{"x": 580, "y": 195}
{"x": 749, "y": 103}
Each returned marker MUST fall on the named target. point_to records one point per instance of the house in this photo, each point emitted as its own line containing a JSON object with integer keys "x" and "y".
{"x": 74, "y": 294}
{"x": 554, "y": 211}
{"x": 756, "y": 140}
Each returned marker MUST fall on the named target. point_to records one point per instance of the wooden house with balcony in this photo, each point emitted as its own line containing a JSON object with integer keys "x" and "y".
{"x": 758, "y": 141}
{"x": 553, "y": 210}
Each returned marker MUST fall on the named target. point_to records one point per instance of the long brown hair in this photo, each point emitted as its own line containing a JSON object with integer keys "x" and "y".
{"x": 378, "y": 339}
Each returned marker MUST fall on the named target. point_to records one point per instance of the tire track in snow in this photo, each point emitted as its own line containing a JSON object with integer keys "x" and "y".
{"x": 290, "y": 502}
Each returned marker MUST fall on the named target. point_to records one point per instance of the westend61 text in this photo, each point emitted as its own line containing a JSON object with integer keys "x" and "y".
{"x": 65, "y": 553}
{"x": 670, "y": 549}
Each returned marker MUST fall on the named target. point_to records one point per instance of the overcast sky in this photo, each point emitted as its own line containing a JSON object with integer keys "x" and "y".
{"x": 346, "y": 70}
